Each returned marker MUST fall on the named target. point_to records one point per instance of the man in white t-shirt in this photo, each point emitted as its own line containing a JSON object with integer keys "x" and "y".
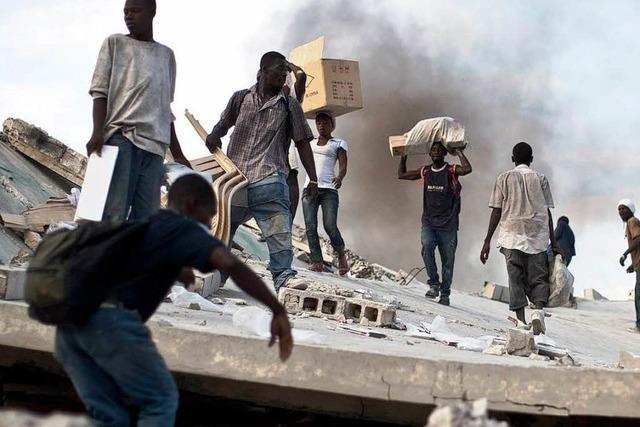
{"x": 327, "y": 151}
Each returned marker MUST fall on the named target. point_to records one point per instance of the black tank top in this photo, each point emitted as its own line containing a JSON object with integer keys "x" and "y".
{"x": 441, "y": 198}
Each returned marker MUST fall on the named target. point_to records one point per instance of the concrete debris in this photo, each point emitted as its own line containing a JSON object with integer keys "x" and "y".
{"x": 12, "y": 282}
{"x": 32, "y": 239}
{"x": 49, "y": 152}
{"x": 495, "y": 349}
{"x": 12, "y": 418}
{"x": 539, "y": 357}
{"x": 207, "y": 284}
{"x": 629, "y": 360}
{"x": 217, "y": 300}
{"x": 593, "y": 295}
{"x": 337, "y": 307}
{"x": 21, "y": 258}
{"x": 519, "y": 342}
{"x": 362, "y": 332}
{"x": 180, "y": 297}
{"x": 7, "y": 185}
{"x": 237, "y": 301}
{"x": 495, "y": 292}
{"x": 202, "y": 323}
{"x": 164, "y": 323}
{"x": 464, "y": 414}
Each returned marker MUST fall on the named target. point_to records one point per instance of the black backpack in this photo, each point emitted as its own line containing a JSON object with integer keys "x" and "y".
{"x": 74, "y": 271}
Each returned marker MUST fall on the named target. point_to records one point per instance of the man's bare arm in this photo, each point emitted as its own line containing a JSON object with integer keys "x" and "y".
{"x": 494, "y": 220}
{"x": 464, "y": 168}
{"x": 248, "y": 281}
{"x": 306, "y": 157}
{"x": 408, "y": 175}
{"x": 342, "y": 167}
{"x": 97, "y": 136}
{"x": 301, "y": 81}
{"x": 176, "y": 150}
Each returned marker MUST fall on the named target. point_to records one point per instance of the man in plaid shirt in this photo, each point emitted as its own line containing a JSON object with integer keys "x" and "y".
{"x": 266, "y": 120}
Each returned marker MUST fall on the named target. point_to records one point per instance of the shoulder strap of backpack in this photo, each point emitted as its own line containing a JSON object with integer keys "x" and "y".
{"x": 242, "y": 94}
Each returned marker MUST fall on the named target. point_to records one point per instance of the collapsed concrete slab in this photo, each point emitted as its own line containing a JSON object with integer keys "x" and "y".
{"x": 46, "y": 150}
{"x": 349, "y": 375}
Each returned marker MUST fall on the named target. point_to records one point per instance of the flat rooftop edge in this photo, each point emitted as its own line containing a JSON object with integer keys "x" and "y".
{"x": 542, "y": 390}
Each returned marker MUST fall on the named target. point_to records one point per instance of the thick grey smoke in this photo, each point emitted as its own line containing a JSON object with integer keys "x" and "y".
{"x": 420, "y": 67}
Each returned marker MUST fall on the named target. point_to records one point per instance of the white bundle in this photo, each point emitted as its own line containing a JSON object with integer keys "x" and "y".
{"x": 440, "y": 129}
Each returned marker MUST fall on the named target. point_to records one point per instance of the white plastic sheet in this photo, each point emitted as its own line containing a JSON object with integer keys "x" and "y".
{"x": 258, "y": 322}
{"x": 560, "y": 283}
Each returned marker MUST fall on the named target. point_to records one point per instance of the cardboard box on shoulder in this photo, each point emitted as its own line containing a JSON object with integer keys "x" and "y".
{"x": 332, "y": 84}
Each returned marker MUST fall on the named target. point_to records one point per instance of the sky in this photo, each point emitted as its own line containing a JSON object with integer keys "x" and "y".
{"x": 562, "y": 75}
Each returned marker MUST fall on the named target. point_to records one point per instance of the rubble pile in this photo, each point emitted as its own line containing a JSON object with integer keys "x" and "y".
{"x": 464, "y": 414}
{"x": 24, "y": 419}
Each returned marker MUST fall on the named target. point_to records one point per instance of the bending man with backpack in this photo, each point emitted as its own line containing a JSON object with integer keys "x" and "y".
{"x": 441, "y": 209}
{"x": 266, "y": 120}
{"x": 111, "y": 357}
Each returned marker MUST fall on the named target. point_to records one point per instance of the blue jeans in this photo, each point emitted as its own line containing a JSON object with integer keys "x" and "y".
{"x": 268, "y": 202}
{"x": 112, "y": 361}
{"x": 446, "y": 242}
{"x": 328, "y": 199}
{"x": 136, "y": 182}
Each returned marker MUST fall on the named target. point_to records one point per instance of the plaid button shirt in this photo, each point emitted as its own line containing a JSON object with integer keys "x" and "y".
{"x": 260, "y": 141}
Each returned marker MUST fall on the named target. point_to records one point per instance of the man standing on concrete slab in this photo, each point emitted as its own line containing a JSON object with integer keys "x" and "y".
{"x": 132, "y": 89}
{"x": 565, "y": 239}
{"x": 521, "y": 203}
{"x": 626, "y": 210}
{"x": 265, "y": 121}
{"x": 327, "y": 150}
{"x": 112, "y": 359}
{"x": 440, "y": 216}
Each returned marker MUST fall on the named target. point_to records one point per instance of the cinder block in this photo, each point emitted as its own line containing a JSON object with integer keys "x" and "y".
{"x": 207, "y": 284}
{"x": 520, "y": 342}
{"x": 316, "y": 304}
{"x": 375, "y": 313}
{"x": 495, "y": 292}
{"x": 593, "y": 295}
{"x": 12, "y": 282}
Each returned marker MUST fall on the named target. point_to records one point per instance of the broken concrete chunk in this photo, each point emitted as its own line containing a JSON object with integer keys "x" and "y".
{"x": 629, "y": 360}
{"x": 519, "y": 342}
{"x": 539, "y": 357}
{"x": 495, "y": 350}
{"x": 495, "y": 292}
{"x": 49, "y": 152}
{"x": 593, "y": 295}
{"x": 32, "y": 239}
{"x": 237, "y": 301}
{"x": 12, "y": 282}
{"x": 218, "y": 301}
{"x": 464, "y": 414}
{"x": 194, "y": 306}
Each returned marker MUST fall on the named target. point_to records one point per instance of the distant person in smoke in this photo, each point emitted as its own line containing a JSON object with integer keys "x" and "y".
{"x": 327, "y": 151}
{"x": 440, "y": 216}
{"x": 521, "y": 204}
{"x": 565, "y": 239}
{"x": 626, "y": 210}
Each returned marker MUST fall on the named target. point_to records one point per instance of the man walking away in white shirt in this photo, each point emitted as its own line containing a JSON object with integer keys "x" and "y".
{"x": 327, "y": 150}
{"x": 521, "y": 203}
